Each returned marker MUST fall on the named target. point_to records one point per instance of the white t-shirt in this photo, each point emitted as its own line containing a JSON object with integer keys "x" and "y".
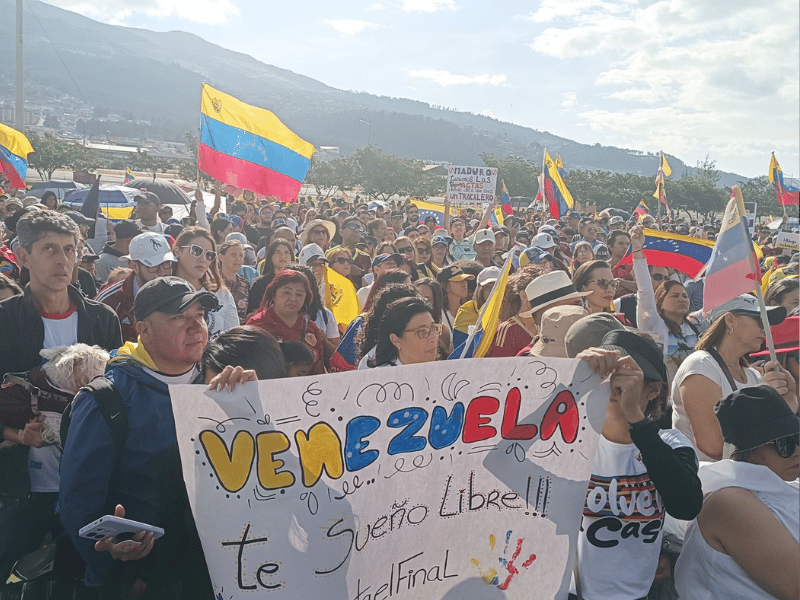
{"x": 331, "y": 328}
{"x": 44, "y": 463}
{"x": 227, "y": 317}
{"x": 364, "y": 362}
{"x": 158, "y": 227}
{"x": 701, "y": 362}
{"x": 620, "y": 538}
{"x": 185, "y": 378}
{"x": 363, "y": 294}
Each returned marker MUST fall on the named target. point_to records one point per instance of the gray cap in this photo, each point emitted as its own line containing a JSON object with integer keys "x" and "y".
{"x": 747, "y": 305}
{"x": 589, "y": 332}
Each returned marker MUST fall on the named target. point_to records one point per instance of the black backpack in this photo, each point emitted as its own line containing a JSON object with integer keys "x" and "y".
{"x": 110, "y": 404}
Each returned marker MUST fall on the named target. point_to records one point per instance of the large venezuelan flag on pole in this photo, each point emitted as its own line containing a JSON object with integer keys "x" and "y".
{"x": 249, "y": 147}
{"x": 662, "y": 249}
{"x": 555, "y": 190}
{"x": 732, "y": 269}
{"x": 14, "y": 150}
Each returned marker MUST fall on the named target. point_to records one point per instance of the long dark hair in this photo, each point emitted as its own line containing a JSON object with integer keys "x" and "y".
{"x": 269, "y": 270}
{"x": 392, "y": 276}
{"x": 211, "y": 279}
{"x": 284, "y": 278}
{"x": 438, "y": 296}
{"x": 316, "y": 300}
{"x": 395, "y": 320}
{"x": 581, "y": 277}
{"x": 392, "y": 292}
{"x": 662, "y": 291}
{"x": 248, "y": 347}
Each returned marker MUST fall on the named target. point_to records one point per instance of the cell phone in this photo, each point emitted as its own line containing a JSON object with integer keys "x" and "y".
{"x": 117, "y": 527}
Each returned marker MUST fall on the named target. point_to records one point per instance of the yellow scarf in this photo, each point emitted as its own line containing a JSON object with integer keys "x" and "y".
{"x": 135, "y": 352}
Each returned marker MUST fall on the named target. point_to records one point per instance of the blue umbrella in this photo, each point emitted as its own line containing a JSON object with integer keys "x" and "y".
{"x": 117, "y": 201}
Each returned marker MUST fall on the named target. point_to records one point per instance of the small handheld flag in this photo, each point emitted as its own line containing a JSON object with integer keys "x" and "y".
{"x": 250, "y": 148}
{"x": 555, "y": 190}
{"x": 14, "y": 150}
{"x": 641, "y": 209}
{"x": 786, "y": 195}
{"x": 128, "y": 176}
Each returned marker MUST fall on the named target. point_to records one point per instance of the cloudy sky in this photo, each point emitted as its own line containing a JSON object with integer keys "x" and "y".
{"x": 716, "y": 77}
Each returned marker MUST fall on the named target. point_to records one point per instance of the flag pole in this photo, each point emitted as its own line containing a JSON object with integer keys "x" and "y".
{"x": 545, "y": 201}
{"x": 762, "y": 307}
{"x": 486, "y": 304}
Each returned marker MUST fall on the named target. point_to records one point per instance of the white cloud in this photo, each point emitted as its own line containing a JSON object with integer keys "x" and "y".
{"x": 446, "y": 78}
{"x": 119, "y": 11}
{"x": 569, "y": 100}
{"x": 684, "y": 76}
{"x": 348, "y": 27}
{"x": 429, "y": 6}
{"x": 488, "y": 113}
{"x": 376, "y": 6}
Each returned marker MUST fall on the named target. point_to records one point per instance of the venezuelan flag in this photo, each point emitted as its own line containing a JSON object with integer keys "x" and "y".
{"x": 249, "y": 147}
{"x": 428, "y": 209}
{"x": 14, "y": 150}
{"x": 786, "y": 195}
{"x": 341, "y": 298}
{"x": 498, "y": 215}
{"x": 555, "y": 190}
{"x": 641, "y": 209}
{"x": 684, "y": 253}
{"x": 128, "y": 176}
{"x": 732, "y": 269}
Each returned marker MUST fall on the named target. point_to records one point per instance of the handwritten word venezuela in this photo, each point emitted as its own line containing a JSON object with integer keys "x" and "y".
{"x": 321, "y": 447}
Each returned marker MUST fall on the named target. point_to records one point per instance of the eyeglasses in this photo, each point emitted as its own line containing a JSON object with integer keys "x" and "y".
{"x": 166, "y": 266}
{"x": 343, "y": 260}
{"x": 197, "y": 252}
{"x": 355, "y": 227}
{"x": 657, "y": 277}
{"x": 605, "y": 283}
{"x": 424, "y": 331}
{"x": 786, "y": 446}
{"x": 406, "y": 250}
{"x": 422, "y": 250}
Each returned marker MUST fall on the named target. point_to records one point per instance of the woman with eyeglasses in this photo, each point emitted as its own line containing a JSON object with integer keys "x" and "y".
{"x": 405, "y": 248}
{"x": 744, "y": 542}
{"x": 663, "y": 312}
{"x": 340, "y": 260}
{"x": 424, "y": 253}
{"x": 283, "y": 314}
{"x": 407, "y": 334}
{"x": 196, "y": 262}
{"x": 596, "y": 277}
{"x": 440, "y": 252}
{"x": 719, "y": 366}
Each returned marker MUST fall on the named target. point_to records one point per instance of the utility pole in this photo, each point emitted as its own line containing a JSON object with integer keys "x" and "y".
{"x": 19, "y": 110}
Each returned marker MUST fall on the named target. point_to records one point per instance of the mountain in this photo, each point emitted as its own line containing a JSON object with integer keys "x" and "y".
{"x": 154, "y": 79}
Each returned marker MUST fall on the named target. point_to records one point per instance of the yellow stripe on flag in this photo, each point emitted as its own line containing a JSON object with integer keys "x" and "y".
{"x": 259, "y": 121}
{"x": 491, "y": 316}
{"x": 340, "y": 298}
{"x": 665, "y": 168}
{"x": 15, "y": 142}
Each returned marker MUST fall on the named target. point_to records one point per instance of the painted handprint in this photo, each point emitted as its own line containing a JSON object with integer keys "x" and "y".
{"x": 490, "y": 576}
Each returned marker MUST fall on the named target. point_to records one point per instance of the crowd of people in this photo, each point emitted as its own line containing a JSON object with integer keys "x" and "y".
{"x": 225, "y": 297}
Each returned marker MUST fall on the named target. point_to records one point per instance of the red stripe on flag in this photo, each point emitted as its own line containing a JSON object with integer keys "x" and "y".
{"x": 246, "y": 175}
{"x": 660, "y": 258}
{"x": 727, "y": 283}
{"x": 7, "y": 169}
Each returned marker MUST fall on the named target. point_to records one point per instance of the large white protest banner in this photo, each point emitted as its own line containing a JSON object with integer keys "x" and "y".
{"x": 457, "y": 479}
{"x": 471, "y": 185}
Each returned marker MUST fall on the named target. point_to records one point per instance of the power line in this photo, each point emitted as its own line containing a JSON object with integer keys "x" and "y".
{"x": 49, "y": 39}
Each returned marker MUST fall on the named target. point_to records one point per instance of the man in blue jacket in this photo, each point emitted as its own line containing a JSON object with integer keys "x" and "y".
{"x": 98, "y": 480}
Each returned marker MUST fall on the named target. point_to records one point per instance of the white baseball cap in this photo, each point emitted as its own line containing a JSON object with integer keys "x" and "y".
{"x": 311, "y": 252}
{"x": 543, "y": 241}
{"x": 483, "y": 235}
{"x": 489, "y": 275}
{"x": 150, "y": 248}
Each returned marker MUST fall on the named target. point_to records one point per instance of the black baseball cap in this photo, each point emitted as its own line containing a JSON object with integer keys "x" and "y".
{"x": 646, "y": 355}
{"x": 126, "y": 229}
{"x": 79, "y": 218}
{"x": 147, "y": 197}
{"x": 170, "y": 295}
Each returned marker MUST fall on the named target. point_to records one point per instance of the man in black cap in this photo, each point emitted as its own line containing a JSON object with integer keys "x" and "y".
{"x": 147, "y": 207}
{"x": 98, "y": 479}
{"x": 113, "y": 254}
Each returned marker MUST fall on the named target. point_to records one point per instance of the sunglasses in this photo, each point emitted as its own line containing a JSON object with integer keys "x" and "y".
{"x": 658, "y": 277}
{"x": 355, "y": 227}
{"x": 406, "y": 250}
{"x": 343, "y": 260}
{"x": 424, "y": 332}
{"x": 422, "y": 250}
{"x": 605, "y": 283}
{"x": 197, "y": 252}
{"x": 786, "y": 446}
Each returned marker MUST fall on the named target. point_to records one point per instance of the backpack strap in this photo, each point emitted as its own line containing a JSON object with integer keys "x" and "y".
{"x": 725, "y": 370}
{"x": 109, "y": 402}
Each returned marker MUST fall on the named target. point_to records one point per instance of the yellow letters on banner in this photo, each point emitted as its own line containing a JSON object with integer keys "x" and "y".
{"x": 232, "y": 468}
{"x": 321, "y": 449}
{"x": 269, "y": 444}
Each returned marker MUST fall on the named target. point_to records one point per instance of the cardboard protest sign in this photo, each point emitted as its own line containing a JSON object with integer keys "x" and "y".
{"x": 471, "y": 185}
{"x": 787, "y": 240}
{"x": 457, "y": 479}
